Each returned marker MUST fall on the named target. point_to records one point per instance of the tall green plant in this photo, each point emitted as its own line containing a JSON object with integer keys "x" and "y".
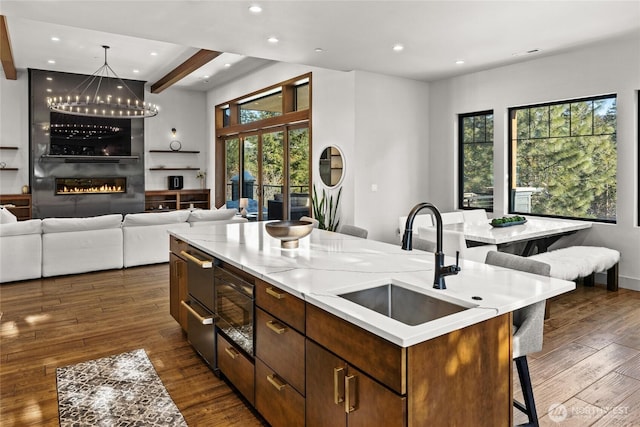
{"x": 325, "y": 211}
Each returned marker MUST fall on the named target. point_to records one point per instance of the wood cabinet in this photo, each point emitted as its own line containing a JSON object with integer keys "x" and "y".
{"x": 280, "y": 356}
{"x": 340, "y": 395}
{"x": 178, "y": 282}
{"x": 169, "y": 200}
{"x": 237, "y": 367}
{"x": 21, "y": 205}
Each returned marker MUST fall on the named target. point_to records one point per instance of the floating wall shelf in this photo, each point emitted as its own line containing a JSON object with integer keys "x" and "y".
{"x": 174, "y": 152}
{"x": 174, "y": 169}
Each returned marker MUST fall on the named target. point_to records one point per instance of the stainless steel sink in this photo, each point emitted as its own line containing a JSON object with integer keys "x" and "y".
{"x": 402, "y": 304}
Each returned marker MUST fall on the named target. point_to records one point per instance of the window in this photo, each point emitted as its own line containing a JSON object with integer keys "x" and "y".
{"x": 263, "y": 152}
{"x": 475, "y": 132}
{"x": 563, "y": 159}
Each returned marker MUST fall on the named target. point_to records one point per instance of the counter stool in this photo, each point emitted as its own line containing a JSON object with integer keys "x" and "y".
{"x": 528, "y": 327}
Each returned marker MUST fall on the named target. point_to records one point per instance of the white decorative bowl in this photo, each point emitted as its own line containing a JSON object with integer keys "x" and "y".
{"x": 289, "y": 232}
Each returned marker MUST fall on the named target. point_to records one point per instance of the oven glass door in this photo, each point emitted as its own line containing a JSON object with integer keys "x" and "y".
{"x": 234, "y": 309}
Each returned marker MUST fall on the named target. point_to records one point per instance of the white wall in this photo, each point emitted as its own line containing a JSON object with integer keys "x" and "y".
{"x": 391, "y": 151}
{"x": 14, "y": 132}
{"x": 612, "y": 67}
{"x": 186, "y": 112}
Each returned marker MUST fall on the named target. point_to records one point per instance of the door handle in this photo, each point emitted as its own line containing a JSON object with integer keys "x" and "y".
{"x": 275, "y": 294}
{"x": 350, "y": 393}
{"x": 202, "y": 320}
{"x": 232, "y": 352}
{"x": 202, "y": 263}
{"x": 275, "y": 381}
{"x": 276, "y": 327}
{"x": 338, "y": 385}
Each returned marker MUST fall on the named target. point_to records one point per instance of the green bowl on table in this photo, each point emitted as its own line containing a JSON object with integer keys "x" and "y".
{"x": 507, "y": 221}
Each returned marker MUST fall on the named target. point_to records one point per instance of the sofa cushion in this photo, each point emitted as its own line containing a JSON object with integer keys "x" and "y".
{"x": 19, "y": 228}
{"x": 211, "y": 215}
{"x": 148, "y": 245}
{"x": 155, "y": 218}
{"x": 21, "y": 253}
{"x": 64, "y": 225}
{"x": 6, "y": 217}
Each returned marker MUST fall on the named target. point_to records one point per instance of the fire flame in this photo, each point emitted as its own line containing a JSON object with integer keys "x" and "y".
{"x": 101, "y": 189}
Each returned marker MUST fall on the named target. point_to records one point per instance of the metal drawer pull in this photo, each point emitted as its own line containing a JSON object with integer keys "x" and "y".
{"x": 276, "y": 327}
{"x": 275, "y": 294}
{"x": 273, "y": 379}
{"x": 203, "y": 320}
{"x": 232, "y": 352}
{"x": 338, "y": 385}
{"x": 207, "y": 263}
{"x": 351, "y": 393}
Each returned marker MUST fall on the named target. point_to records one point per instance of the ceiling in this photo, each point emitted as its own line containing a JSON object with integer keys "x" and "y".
{"x": 352, "y": 35}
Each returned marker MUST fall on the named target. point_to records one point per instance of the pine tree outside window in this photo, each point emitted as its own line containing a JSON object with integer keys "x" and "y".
{"x": 475, "y": 132}
{"x": 563, "y": 159}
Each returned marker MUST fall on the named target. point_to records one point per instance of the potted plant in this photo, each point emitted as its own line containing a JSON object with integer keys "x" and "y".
{"x": 325, "y": 210}
{"x": 201, "y": 175}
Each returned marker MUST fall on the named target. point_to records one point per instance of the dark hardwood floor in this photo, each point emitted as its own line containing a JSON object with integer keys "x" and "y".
{"x": 590, "y": 362}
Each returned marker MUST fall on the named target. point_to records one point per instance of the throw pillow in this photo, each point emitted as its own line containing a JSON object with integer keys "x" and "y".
{"x": 211, "y": 215}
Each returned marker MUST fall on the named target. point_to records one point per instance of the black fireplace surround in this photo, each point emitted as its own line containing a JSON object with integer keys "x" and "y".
{"x": 103, "y": 156}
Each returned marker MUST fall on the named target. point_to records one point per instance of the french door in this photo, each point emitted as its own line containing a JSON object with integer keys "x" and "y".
{"x": 275, "y": 178}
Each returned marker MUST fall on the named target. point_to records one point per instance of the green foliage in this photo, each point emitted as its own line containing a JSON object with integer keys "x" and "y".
{"x": 325, "y": 211}
{"x": 569, "y": 152}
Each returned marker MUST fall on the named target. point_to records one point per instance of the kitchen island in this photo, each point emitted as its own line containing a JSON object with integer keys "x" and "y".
{"x": 321, "y": 359}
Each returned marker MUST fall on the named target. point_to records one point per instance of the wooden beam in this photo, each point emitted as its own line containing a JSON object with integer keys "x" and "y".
{"x": 200, "y": 58}
{"x": 5, "y": 51}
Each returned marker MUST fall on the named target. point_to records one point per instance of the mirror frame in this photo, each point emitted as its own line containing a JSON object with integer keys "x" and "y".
{"x": 342, "y": 168}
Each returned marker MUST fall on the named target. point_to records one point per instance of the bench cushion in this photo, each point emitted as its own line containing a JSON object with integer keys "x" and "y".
{"x": 578, "y": 261}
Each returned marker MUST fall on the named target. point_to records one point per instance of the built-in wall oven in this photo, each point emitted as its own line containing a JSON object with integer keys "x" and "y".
{"x": 201, "y": 303}
{"x": 234, "y": 308}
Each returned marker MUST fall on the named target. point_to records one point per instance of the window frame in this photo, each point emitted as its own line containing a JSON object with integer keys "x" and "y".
{"x": 511, "y": 161}
{"x": 461, "y": 144}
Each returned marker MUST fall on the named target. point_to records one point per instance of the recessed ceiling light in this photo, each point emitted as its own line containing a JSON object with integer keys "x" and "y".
{"x": 154, "y": 54}
{"x": 48, "y": 90}
{"x": 205, "y": 77}
{"x": 318, "y": 50}
{"x": 398, "y": 47}
{"x": 51, "y": 61}
{"x": 119, "y": 86}
{"x": 273, "y": 39}
{"x": 49, "y": 78}
{"x": 55, "y": 39}
{"x": 255, "y": 8}
{"x": 227, "y": 65}
{"x": 460, "y": 61}
{"x": 136, "y": 71}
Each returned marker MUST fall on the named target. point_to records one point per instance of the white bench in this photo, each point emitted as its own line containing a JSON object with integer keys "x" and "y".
{"x": 576, "y": 262}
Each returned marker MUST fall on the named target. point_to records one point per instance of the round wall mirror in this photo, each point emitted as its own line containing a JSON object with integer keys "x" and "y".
{"x": 331, "y": 166}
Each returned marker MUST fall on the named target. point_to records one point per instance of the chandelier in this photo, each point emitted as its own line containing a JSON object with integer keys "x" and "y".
{"x": 98, "y": 96}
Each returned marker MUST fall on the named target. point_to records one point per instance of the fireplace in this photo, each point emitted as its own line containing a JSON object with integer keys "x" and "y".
{"x": 82, "y": 166}
{"x": 90, "y": 185}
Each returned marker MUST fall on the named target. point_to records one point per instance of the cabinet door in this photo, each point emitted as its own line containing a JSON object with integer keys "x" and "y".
{"x": 178, "y": 289}
{"x": 340, "y": 395}
{"x": 325, "y": 388}
{"x": 372, "y": 404}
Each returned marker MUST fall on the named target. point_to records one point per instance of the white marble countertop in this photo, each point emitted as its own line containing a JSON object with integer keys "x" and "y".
{"x": 534, "y": 228}
{"x": 328, "y": 264}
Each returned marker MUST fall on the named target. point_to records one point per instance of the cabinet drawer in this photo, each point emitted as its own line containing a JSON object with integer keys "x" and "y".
{"x": 276, "y": 400}
{"x": 282, "y": 348}
{"x": 237, "y": 368}
{"x": 376, "y": 356}
{"x": 176, "y": 245}
{"x": 286, "y": 307}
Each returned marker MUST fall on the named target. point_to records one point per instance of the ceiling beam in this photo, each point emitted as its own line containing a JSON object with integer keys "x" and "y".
{"x": 5, "y": 51}
{"x": 199, "y": 59}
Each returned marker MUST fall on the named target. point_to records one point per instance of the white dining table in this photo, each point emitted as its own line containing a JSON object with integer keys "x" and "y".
{"x": 536, "y": 232}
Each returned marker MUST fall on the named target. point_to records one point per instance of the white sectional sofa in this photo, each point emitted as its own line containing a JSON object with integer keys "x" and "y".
{"x": 79, "y": 245}
{"x": 57, "y": 246}
{"x": 20, "y": 250}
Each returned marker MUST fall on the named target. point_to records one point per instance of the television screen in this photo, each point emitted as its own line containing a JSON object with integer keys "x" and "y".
{"x": 89, "y": 136}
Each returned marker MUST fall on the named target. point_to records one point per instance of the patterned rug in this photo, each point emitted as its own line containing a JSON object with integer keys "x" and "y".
{"x": 120, "y": 390}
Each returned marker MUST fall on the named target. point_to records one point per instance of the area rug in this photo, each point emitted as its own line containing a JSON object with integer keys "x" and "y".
{"x": 120, "y": 390}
